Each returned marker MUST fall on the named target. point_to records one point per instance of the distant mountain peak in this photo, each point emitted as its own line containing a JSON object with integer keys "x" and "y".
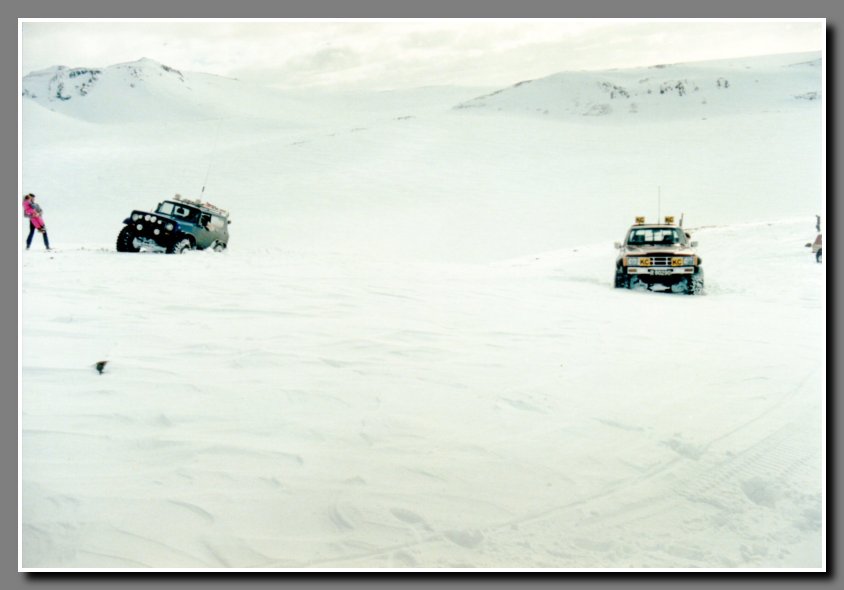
{"x": 144, "y": 90}
{"x": 61, "y": 84}
{"x": 147, "y": 64}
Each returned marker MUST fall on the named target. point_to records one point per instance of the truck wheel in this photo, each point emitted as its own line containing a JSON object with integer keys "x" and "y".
{"x": 126, "y": 241}
{"x": 695, "y": 284}
{"x": 819, "y": 255}
{"x": 622, "y": 281}
{"x": 219, "y": 247}
{"x": 179, "y": 247}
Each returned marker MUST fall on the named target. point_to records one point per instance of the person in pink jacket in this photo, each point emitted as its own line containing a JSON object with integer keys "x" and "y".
{"x": 36, "y": 222}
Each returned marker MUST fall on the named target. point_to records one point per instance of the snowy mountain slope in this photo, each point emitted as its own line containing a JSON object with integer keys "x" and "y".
{"x": 693, "y": 90}
{"x": 146, "y": 90}
{"x": 350, "y": 157}
{"x": 437, "y": 186}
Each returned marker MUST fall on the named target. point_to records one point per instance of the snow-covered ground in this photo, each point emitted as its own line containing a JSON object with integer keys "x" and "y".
{"x": 412, "y": 354}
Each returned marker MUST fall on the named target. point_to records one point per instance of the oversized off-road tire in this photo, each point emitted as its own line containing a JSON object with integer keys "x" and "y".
{"x": 622, "y": 281}
{"x": 126, "y": 240}
{"x": 219, "y": 247}
{"x": 179, "y": 246}
{"x": 695, "y": 283}
{"x": 819, "y": 256}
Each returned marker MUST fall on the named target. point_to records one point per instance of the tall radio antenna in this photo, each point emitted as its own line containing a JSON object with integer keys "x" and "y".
{"x": 213, "y": 150}
{"x": 658, "y": 203}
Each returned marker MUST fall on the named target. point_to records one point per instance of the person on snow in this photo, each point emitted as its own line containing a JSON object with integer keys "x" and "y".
{"x": 32, "y": 211}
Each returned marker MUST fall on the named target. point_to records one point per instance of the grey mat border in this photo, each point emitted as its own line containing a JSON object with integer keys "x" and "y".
{"x": 13, "y": 9}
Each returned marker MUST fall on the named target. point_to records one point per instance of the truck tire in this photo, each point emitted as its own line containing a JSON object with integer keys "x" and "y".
{"x": 179, "y": 246}
{"x": 695, "y": 284}
{"x": 622, "y": 281}
{"x": 126, "y": 240}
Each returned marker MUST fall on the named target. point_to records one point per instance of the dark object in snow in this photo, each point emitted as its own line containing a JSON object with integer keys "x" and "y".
{"x": 100, "y": 366}
{"x": 176, "y": 225}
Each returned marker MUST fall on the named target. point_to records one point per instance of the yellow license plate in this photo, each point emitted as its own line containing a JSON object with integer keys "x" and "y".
{"x": 644, "y": 262}
{"x": 676, "y": 262}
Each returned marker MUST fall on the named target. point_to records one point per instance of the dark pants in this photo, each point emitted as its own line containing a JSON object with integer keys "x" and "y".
{"x": 32, "y": 231}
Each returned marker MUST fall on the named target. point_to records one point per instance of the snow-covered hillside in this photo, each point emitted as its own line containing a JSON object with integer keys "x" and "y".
{"x": 144, "y": 90}
{"x": 675, "y": 91}
{"x": 407, "y": 174}
{"x": 412, "y": 354}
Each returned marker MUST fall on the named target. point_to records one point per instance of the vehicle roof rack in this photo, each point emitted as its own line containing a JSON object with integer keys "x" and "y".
{"x": 203, "y": 204}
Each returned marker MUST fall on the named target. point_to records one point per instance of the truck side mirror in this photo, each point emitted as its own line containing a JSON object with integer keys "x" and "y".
{"x": 617, "y": 245}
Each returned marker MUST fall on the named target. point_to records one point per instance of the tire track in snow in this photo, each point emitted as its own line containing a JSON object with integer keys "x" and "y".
{"x": 763, "y": 473}
{"x": 162, "y": 545}
{"x": 772, "y": 457}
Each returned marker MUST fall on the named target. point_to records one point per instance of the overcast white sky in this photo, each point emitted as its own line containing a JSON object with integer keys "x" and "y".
{"x": 388, "y": 54}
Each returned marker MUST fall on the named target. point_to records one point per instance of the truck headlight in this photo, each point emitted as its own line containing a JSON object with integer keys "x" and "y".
{"x": 688, "y": 260}
{"x": 136, "y": 217}
{"x": 169, "y": 227}
{"x": 633, "y": 261}
{"x": 139, "y": 227}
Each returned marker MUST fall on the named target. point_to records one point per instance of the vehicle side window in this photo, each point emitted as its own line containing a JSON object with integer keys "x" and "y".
{"x": 204, "y": 220}
{"x": 217, "y": 222}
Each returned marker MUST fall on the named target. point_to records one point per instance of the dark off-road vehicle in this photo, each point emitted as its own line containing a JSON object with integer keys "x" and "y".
{"x": 658, "y": 254}
{"x": 175, "y": 226}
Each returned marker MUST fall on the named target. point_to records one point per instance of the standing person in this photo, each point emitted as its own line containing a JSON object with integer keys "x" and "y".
{"x": 33, "y": 211}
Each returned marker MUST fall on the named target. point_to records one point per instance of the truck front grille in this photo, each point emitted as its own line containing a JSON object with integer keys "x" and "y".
{"x": 660, "y": 260}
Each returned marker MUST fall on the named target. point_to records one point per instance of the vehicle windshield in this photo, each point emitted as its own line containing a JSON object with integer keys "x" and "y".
{"x": 655, "y": 236}
{"x": 172, "y": 209}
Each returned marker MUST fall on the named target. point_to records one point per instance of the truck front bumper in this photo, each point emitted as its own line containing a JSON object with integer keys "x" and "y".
{"x": 660, "y": 271}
